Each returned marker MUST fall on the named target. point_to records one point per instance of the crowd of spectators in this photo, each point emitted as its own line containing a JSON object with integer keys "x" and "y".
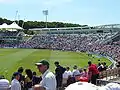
{"x": 64, "y": 76}
{"x": 83, "y": 42}
{"x": 10, "y": 39}
{"x": 20, "y": 81}
{"x": 8, "y": 33}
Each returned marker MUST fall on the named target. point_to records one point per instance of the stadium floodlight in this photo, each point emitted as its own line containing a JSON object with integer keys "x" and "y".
{"x": 16, "y": 14}
{"x": 18, "y": 19}
{"x": 45, "y": 12}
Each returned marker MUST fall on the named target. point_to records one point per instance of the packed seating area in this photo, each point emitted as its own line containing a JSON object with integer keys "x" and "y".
{"x": 10, "y": 39}
{"x": 8, "y": 33}
{"x": 83, "y": 42}
{"x": 70, "y": 42}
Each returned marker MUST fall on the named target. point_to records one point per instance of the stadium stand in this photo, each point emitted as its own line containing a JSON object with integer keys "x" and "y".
{"x": 89, "y": 43}
{"x": 98, "y": 39}
{"x": 10, "y": 38}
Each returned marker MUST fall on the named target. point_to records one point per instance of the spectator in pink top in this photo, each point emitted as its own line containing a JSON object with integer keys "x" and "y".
{"x": 85, "y": 73}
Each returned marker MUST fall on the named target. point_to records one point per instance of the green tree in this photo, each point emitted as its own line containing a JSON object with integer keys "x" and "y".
{"x": 35, "y": 24}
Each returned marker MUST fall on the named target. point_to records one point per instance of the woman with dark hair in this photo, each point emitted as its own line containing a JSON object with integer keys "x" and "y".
{"x": 28, "y": 79}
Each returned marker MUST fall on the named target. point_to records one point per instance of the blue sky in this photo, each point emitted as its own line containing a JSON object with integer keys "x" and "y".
{"x": 90, "y": 12}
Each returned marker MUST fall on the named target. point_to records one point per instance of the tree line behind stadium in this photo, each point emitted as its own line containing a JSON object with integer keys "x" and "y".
{"x": 40, "y": 24}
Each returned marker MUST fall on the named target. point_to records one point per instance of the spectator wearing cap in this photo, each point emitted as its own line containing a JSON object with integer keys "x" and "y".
{"x": 48, "y": 81}
{"x": 4, "y": 83}
{"x": 21, "y": 80}
{"x": 59, "y": 74}
{"x": 15, "y": 84}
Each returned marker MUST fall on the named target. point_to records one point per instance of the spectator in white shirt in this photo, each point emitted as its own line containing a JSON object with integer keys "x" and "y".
{"x": 4, "y": 83}
{"x": 66, "y": 74}
{"x": 15, "y": 84}
{"x": 48, "y": 78}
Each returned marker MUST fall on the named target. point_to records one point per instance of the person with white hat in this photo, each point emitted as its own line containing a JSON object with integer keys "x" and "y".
{"x": 4, "y": 83}
{"x": 110, "y": 86}
{"x": 89, "y": 86}
{"x": 82, "y": 86}
{"x": 48, "y": 81}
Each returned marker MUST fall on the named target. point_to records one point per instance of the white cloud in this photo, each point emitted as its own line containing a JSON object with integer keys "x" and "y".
{"x": 56, "y": 2}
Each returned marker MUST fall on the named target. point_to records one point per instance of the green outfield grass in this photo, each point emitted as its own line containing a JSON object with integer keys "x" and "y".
{"x": 11, "y": 59}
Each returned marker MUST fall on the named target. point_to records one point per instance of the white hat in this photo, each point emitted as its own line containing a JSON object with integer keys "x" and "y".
{"x": 111, "y": 86}
{"x": 89, "y": 86}
{"x": 82, "y": 86}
